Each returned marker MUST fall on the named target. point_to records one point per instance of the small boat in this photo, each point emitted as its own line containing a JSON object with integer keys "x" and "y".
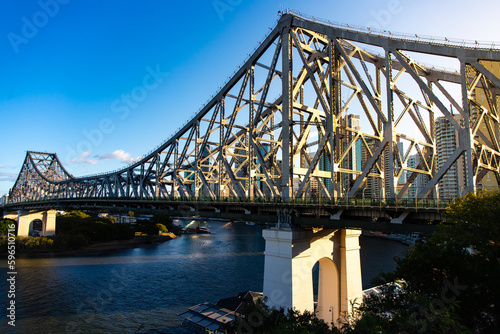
{"x": 250, "y": 223}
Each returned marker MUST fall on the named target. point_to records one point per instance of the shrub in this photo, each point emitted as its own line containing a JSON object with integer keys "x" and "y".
{"x": 93, "y": 228}
{"x": 162, "y": 228}
{"x": 68, "y": 241}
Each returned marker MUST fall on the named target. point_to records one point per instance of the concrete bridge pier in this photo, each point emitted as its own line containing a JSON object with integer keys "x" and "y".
{"x": 290, "y": 256}
{"x": 25, "y": 218}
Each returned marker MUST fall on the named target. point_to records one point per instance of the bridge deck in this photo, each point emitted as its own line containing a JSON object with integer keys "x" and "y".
{"x": 353, "y": 213}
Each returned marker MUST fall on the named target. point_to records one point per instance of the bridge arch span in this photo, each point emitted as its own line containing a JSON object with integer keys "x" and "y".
{"x": 36, "y": 227}
{"x": 328, "y": 290}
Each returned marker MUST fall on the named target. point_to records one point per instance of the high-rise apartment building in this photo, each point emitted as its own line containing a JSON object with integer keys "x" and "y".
{"x": 353, "y": 158}
{"x": 420, "y": 181}
{"x": 373, "y": 184}
{"x": 453, "y": 183}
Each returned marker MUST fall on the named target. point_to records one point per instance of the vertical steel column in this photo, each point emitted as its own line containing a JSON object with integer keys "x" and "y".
{"x": 141, "y": 184}
{"x": 221, "y": 144}
{"x": 336, "y": 101}
{"x": 198, "y": 170}
{"x": 176, "y": 158}
{"x": 251, "y": 153}
{"x": 432, "y": 125}
{"x": 465, "y": 136}
{"x": 287, "y": 116}
{"x": 302, "y": 126}
{"x": 272, "y": 145}
{"x": 380, "y": 182}
{"x": 331, "y": 123}
{"x": 157, "y": 178}
{"x": 389, "y": 131}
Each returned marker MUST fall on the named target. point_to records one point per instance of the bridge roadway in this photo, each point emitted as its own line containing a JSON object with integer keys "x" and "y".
{"x": 388, "y": 216}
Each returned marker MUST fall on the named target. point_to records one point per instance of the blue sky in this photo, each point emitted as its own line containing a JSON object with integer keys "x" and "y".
{"x": 67, "y": 66}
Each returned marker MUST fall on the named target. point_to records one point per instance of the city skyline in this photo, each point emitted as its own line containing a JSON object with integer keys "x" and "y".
{"x": 102, "y": 87}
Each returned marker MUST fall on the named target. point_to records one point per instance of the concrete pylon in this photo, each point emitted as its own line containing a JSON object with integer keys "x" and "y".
{"x": 290, "y": 256}
{"x": 25, "y": 218}
{"x": 351, "y": 285}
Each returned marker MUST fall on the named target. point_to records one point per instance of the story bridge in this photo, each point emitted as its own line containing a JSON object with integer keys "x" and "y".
{"x": 324, "y": 125}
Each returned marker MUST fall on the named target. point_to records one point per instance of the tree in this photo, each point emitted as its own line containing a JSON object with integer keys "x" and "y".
{"x": 448, "y": 283}
{"x": 148, "y": 227}
{"x": 162, "y": 228}
{"x": 260, "y": 318}
{"x": 4, "y": 225}
{"x": 164, "y": 219}
{"x": 93, "y": 228}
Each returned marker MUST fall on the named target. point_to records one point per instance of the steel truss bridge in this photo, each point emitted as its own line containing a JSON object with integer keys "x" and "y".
{"x": 280, "y": 133}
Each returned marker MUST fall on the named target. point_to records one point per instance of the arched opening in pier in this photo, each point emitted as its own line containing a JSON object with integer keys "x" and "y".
{"x": 326, "y": 287}
{"x": 36, "y": 228}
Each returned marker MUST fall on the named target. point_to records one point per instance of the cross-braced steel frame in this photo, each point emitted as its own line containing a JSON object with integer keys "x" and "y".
{"x": 280, "y": 126}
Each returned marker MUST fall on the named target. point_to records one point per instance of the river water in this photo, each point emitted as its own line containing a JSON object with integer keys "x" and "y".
{"x": 148, "y": 286}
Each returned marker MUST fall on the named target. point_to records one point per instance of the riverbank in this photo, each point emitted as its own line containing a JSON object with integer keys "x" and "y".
{"x": 99, "y": 247}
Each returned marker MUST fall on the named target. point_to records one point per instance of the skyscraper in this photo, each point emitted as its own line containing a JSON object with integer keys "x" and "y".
{"x": 353, "y": 159}
{"x": 453, "y": 183}
{"x": 373, "y": 184}
{"x": 420, "y": 181}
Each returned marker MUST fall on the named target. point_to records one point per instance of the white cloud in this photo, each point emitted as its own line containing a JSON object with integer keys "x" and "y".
{"x": 120, "y": 155}
{"x": 2, "y": 166}
{"x": 83, "y": 159}
{"x": 8, "y": 177}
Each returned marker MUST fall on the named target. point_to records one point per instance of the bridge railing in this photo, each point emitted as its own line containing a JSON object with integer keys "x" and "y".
{"x": 324, "y": 202}
{"x": 452, "y": 42}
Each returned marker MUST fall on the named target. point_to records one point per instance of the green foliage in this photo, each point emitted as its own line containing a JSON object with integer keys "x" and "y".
{"x": 92, "y": 228}
{"x": 24, "y": 244}
{"x": 99, "y": 231}
{"x": 449, "y": 283}
{"x": 161, "y": 218}
{"x": 156, "y": 224}
{"x": 162, "y": 228}
{"x": 399, "y": 310}
{"x": 262, "y": 319}
{"x": 148, "y": 227}
{"x": 164, "y": 219}
{"x": 4, "y": 225}
{"x": 74, "y": 213}
{"x": 70, "y": 241}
